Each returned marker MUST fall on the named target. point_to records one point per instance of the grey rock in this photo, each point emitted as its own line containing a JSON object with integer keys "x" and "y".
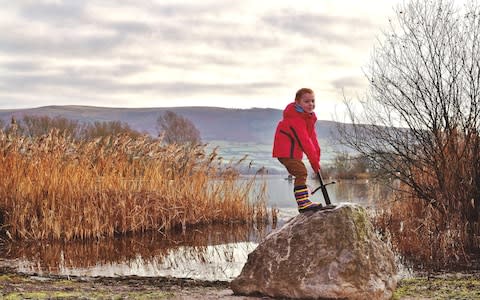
{"x": 333, "y": 254}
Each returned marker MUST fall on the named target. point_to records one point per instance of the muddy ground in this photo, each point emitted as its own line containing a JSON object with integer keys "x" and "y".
{"x": 23, "y": 286}
{"x": 14, "y": 285}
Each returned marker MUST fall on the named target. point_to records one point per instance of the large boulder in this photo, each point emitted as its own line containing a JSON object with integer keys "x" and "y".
{"x": 333, "y": 254}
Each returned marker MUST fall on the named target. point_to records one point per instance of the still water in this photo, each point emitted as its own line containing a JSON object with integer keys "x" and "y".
{"x": 207, "y": 253}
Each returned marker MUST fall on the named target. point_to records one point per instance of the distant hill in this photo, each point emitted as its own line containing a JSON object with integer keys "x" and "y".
{"x": 214, "y": 123}
{"x": 237, "y": 132}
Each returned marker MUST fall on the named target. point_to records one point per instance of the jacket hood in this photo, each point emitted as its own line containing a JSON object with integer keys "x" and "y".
{"x": 291, "y": 112}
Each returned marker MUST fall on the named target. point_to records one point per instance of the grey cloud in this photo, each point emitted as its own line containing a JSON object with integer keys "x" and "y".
{"x": 172, "y": 31}
{"x": 246, "y": 41}
{"x": 192, "y": 61}
{"x": 99, "y": 72}
{"x": 74, "y": 15}
{"x": 79, "y": 81}
{"x": 127, "y": 69}
{"x": 65, "y": 18}
{"x": 195, "y": 88}
{"x": 130, "y": 27}
{"x": 229, "y": 37}
{"x": 122, "y": 69}
{"x": 22, "y": 66}
{"x": 35, "y": 82}
{"x": 220, "y": 60}
{"x": 198, "y": 23}
{"x": 317, "y": 53}
{"x": 193, "y": 10}
{"x": 183, "y": 26}
{"x": 196, "y": 61}
{"x": 178, "y": 10}
{"x": 65, "y": 10}
{"x": 348, "y": 82}
{"x": 37, "y": 78}
{"x": 317, "y": 26}
{"x": 53, "y": 45}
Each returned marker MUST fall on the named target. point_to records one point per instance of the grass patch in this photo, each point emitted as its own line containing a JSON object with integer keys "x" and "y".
{"x": 86, "y": 295}
{"x": 438, "y": 288}
{"x": 10, "y": 278}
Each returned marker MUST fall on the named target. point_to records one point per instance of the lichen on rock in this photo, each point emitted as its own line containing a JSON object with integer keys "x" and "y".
{"x": 331, "y": 254}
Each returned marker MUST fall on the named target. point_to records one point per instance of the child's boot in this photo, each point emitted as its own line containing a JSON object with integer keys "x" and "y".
{"x": 303, "y": 202}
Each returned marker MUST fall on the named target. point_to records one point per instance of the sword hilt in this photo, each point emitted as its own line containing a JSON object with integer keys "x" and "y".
{"x": 315, "y": 190}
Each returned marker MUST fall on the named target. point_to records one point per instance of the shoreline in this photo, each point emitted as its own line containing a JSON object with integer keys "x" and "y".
{"x": 15, "y": 285}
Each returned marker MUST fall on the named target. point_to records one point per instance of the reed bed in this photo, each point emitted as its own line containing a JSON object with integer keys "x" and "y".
{"x": 425, "y": 236}
{"x": 417, "y": 231}
{"x": 435, "y": 222}
{"x": 55, "y": 187}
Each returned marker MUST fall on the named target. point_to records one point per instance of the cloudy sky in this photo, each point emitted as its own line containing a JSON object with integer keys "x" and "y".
{"x": 225, "y": 53}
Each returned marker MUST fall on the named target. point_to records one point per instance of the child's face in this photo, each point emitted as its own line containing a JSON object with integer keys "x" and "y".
{"x": 307, "y": 102}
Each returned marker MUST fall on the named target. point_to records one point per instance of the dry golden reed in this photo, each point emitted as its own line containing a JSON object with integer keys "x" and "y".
{"x": 422, "y": 236}
{"x": 55, "y": 187}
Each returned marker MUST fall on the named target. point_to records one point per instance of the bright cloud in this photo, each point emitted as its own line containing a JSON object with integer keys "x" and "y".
{"x": 185, "y": 53}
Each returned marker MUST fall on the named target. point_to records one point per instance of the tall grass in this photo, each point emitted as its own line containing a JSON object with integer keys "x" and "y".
{"x": 443, "y": 229}
{"x": 425, "y": 239}
{"x": 55, "y": 187}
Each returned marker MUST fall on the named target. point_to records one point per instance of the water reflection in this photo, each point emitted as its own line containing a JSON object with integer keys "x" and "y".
{"x": 209, "y": 253}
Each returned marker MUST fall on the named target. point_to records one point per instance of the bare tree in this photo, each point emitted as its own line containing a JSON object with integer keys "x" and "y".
{"x": 13, "y": 128}
{"x": 39, "y": 125}
{"x": 422, "y": 108}
{"x": 106, "y": 128}
{"x": 176, "y": 129}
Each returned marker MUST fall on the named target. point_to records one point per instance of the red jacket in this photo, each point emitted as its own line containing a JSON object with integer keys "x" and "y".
{"x": 296, "y": 135}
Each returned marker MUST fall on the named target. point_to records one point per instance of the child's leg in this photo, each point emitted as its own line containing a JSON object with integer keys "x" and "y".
{"x": 297, "y": 169}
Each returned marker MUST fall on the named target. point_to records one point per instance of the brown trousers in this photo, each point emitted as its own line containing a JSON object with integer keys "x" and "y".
{"x": 296, "y": 168}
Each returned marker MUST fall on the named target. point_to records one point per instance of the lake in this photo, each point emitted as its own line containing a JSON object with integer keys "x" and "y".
{"x": 207, "y": 253}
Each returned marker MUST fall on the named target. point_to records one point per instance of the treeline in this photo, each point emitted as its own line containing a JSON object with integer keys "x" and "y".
{"x": 35, "y": 126}
{"x": 172, "y": 128}
{"x": 348, "y": 166}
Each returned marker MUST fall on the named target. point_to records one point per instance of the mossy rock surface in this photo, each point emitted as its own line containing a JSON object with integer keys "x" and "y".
{"x": 332, "y": 254}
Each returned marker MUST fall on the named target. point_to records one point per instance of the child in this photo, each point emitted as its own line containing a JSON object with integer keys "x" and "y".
{"x": 295, "y": 135}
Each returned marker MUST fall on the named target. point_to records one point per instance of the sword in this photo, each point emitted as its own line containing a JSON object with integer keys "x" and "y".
{"x": 323, "y": 187}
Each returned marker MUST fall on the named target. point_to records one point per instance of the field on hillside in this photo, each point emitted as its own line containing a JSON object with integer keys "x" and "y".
{"x": 260, "y": 154}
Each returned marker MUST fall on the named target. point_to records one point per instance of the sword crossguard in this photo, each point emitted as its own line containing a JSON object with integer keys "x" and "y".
{"x": 315, "y": 190}
{"x": 324, "y": 189}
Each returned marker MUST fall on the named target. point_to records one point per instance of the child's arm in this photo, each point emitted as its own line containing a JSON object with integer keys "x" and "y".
{"x": 311, "y": 149}
{"x": 314, "y": 139}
